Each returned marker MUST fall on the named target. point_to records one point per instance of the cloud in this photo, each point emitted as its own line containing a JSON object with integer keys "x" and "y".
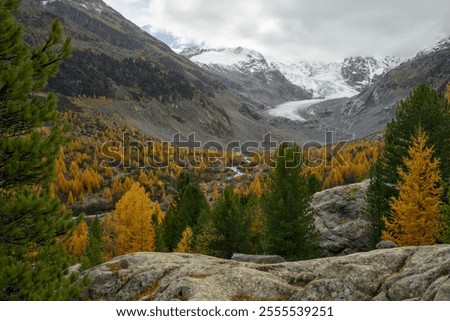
{"x": 291, "y": 30}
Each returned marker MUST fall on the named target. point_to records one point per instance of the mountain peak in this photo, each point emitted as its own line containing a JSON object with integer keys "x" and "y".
{"x": 239, "y": 58}
{"x": 361, "y": 72}
{"x": 440, "y": 44}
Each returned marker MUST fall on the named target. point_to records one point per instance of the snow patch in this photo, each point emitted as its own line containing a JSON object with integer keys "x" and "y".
{"x": 47, "y": 1}
{"x": 238, "y": 59}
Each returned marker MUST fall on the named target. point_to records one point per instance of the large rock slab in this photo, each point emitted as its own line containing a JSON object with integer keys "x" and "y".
{"x": 410, "y": 273}
{"x": 340, "y": 219}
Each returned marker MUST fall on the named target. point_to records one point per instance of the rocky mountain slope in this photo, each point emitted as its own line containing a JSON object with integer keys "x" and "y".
{"x": 361, "y": 72}
{"x": 141, "y": 78}
{"x": 410, "y": 273}
{"x": 247, "y": 72}
{"x": 162, "y": 93}
{"x": 370, "y": 110}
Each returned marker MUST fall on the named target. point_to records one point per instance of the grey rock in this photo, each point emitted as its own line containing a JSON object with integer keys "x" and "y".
{"x": 74, "y": 268}
{"x": 386, "y": 245}
{"x": 261, "y": 259}
{"x": 340, "y": 220}
{"x": 411, "y": 273}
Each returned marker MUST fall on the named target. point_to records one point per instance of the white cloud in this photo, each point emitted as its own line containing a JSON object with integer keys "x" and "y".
{"x": 298, "y": 29}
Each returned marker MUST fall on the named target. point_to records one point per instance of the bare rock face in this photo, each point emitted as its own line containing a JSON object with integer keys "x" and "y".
{"x": 412, "y": 273}
{"x": 339, "y": 218}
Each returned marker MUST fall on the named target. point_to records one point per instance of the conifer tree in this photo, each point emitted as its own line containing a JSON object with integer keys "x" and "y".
{"x": 185, "y": 244}
{"x": 416, "y": 212}
{"x": 76, "y": 245}
{"x": 93, "y": 253}
{"x": 252, "y": 206}
{"x": 424, "y": 108}
{"x": 206, "y": 235}
{"x": 32, "y": 266}
{"x": 188, "y": 202}
{"x": 288, "y": 218}
{"x": 132, "y": 223}
{"x": 232, "y": 224}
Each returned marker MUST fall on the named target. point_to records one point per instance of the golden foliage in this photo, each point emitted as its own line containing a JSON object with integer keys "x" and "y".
{"x": 184, "y": 246}
{"x": 416, "y": 210}
{"x": 130, "y": 228}
{"x": 215, "y": 192}
{"x": 76, "y": 245}
{"x": 256, "y": 187}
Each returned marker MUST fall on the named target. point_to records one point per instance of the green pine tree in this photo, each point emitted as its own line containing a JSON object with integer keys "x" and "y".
{"x": 288, "y": 218}
{"x": 32, "y": 260}
{"x": 232, "y": 225}
{"x": 252, "y": 207}
{"x": 188, "y": 202}
{"x": 423, "y": 108}
{"x": 93, "y": 255}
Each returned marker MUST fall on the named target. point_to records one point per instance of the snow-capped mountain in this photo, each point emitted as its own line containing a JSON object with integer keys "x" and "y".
{"x": 332, "y": 80}
{"x": 248, "y": 73}
{"x": 361, "y": 72}
{"x": 238, "y": 59}
{"x": 440, "y": 44}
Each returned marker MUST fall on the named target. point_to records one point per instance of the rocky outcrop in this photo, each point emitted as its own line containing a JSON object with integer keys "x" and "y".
{"x": 412, "y": 273}
{"x": 386, "y": 245}
{"x": 260, "y": 259}
{"x": 339, "y": 218}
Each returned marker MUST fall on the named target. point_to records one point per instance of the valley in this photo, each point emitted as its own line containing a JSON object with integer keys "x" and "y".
{"x": 114, "y": 144}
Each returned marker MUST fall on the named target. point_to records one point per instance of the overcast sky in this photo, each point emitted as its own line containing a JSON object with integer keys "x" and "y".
{"x": 292, "y": 30}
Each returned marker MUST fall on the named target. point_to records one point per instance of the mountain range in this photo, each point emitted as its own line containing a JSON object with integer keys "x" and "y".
{"x": 320, "y": 80}
{"x": 221, "y": 94}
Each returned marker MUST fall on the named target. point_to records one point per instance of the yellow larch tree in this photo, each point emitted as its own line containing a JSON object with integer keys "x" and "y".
{"x": 70, "y": 199}
{"x": 76, "y": 245}
{"x": 416, "y": 211}
{"x": 157, "y": 212}
{"x": 215, "y": 192}
{"x": 107, "y": 194}
{"x": 256, "y": 187}
{"x": 132, "y": 222}
{"x": 184, "y": 246}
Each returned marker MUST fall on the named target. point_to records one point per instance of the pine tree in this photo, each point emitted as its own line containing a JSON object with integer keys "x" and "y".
{"x": 188, "y": 202}
{"x": 93, "y": 253}
{"x": 232, "y": 224}
{"x": 252, "y": 207}
{"x": 288, "y": 218}
{"x": 416, "y": 212}
{"x": 185, "y": 244}
{"x": 424, "y": 108}
{"x": 32, "y": 266}
{"x": 206, "y": 235}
